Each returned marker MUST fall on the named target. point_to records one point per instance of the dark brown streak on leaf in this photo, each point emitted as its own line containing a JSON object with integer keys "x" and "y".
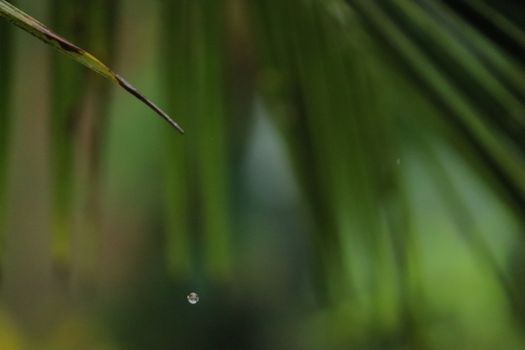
{"x": 66, "y": 45}
{"x": 51, "y": 37}
{"x": 127, "y": 86}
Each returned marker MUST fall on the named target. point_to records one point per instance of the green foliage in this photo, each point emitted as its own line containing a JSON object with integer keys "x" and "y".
{"x": 197, "y": 182}
{"x": 5, "y": 95}
{"x": 403, "y": 121}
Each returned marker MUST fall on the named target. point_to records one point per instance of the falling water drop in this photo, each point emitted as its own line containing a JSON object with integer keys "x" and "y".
{"x": 398, "y": 161}
{"x": 193, "y": 298}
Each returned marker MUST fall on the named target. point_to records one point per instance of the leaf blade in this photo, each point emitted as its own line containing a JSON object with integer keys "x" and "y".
{"x": 40, "y": 31}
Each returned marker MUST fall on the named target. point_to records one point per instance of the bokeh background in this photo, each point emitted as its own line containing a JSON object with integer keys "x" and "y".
{"x": 352, "y": 176}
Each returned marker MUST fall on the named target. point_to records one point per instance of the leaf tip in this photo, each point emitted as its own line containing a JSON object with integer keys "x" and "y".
{"x": 133, "y": 91}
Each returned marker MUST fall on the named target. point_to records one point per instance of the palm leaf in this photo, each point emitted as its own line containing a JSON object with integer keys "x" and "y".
{"x": 5, "y": 95}
{"x": 199, "y": 67}
{"x": 32, "y": 26}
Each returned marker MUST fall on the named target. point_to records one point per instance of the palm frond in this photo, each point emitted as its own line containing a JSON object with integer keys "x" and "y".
{"x": 32, "y": 26}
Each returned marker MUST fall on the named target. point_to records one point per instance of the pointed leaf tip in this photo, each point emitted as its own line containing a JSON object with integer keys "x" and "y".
{"x": 132, "y": 90}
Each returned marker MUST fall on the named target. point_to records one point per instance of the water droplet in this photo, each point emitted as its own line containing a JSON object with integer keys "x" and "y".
{"x": 398, "y": 161}
{"x": 193, "y": 298}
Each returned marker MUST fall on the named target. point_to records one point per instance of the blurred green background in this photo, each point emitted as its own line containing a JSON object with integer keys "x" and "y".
{"x": 352, "y": 176}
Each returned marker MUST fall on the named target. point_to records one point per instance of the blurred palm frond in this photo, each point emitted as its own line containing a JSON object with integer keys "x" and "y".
{"x": 403, "y": 121}
{"x": 5, "y": 96}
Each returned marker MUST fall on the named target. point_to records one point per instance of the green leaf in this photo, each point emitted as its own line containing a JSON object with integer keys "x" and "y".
{"x": 32, "y": 26}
